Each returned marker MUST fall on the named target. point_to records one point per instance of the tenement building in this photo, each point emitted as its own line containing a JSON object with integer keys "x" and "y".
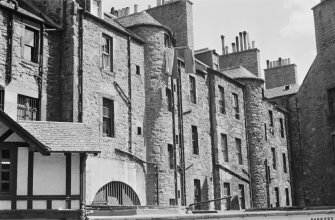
{"x": 93, "y": 113}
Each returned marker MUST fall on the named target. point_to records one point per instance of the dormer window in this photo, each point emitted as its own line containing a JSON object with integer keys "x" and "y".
{"x": 96, "y": 8}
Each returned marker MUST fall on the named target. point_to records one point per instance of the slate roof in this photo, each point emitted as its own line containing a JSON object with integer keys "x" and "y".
{"x": 140, "y": 18}
{"x": 63, "y": 136}
{"x": 240, "y": 72}
{"x": 281, "y": 91}
{"x": 22, "y": 11}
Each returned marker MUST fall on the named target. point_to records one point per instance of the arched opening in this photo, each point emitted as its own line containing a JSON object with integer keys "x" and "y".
{"x": 116, "y": 194}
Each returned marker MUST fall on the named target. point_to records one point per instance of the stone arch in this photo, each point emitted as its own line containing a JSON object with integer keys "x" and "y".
{"x": 117, "y": 193}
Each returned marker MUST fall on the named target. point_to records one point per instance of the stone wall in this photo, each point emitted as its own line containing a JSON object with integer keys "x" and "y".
{"x": 98, "y": 84}
{"x": 324, "y": 20}
{"x": 280, "y": 76}
{"x": 233, "y": 128}
{"x": 278, "y": 177}
{"x": 249, "y": 59}
{"x": 317, "y": 125}
{"x": 178, "y": 16}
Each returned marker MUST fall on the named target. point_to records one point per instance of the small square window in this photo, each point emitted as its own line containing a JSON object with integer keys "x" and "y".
{"x": 139, "y": 131}
{"x": 138, "y": 70}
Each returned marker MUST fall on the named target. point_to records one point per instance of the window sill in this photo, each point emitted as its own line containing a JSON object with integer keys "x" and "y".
{"x": 107, "y": 137}
{"x": 29, "y": 63}
{"x": 107, "y": 72}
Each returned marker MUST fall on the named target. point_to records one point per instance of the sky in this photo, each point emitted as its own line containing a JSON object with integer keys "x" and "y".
{"x": 281, "y": 28}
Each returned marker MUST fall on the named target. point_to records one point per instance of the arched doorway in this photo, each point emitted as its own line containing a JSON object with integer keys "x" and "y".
{"x": 117, "y": 194}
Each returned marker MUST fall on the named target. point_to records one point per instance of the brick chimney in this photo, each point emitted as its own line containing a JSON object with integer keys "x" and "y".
{"x": 280, "y": 74}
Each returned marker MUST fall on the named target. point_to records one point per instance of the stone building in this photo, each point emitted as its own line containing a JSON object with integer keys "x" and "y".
{"x": 156, "y": 139}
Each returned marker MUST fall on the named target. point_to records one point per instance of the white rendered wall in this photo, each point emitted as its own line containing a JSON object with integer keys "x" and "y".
{"x": 49, "y": 174}
{"x": 75, "y": 174}
{"x": 100, "y": 171}
{"x": 22, "y": 171}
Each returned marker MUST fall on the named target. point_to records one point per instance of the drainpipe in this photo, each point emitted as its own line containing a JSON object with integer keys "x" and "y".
{"x": 80, "y": 68}
{"x": 130, "y": 148}
{"x": 174, "y": 144}
{"x": 40, "y": 71}
{"x": 10, "y": 30}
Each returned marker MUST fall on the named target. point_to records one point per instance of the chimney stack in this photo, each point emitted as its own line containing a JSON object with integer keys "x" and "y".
{"x": 237, "y": 44}
{"x": 127, "y": 11}
{"x": 233, "y": 47}
{"x": 135, "y": 8}
{"x": 241, "y": 41}
{"x": 280, "y": 61}
{"x": 223, "y": 45}
{"x": 245, "y": 40}
{"x": 159, "y": 2}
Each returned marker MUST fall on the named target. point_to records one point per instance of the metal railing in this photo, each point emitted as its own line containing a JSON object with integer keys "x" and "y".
{"x": 209, "y": 201}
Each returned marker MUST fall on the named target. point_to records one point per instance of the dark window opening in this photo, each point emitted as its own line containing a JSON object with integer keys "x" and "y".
{"x": 236, "y": 106}
{"x": 169, "y": 99}
{"x": 108, "y": 118}
{"x": 195, "y": 140}
{"x": 239, "y": 150}
{"x": 139, "y": 131}
{"x": 265, "y": 132}
{"x": 287, "y": 87}
{"x": 27, "y": 108}
{"x": 171, "y": 156}
{"x": 138, "y": 70}
{"x": 2, "y": 99}
{"x": 30, "y": 41}
{"x": 287, "y": 197}
{"x": 177, "y": 139}
{"x": 167, "y": 42}
{"x": 172, "y": 202}
{"x": 331, "y": 100}
{"x": 284, "y": 163}
{"x": 274, "y": 159}
{"x": 277, "y": 197}
{"x": 7, "y": 161}
{"x": 241, "y": 195}
{"x": 197, "y": 193}
{"x": 282, "y": 131}
{"x": 226, "y": 192}
{"x": 193, "y": 95}
{"x": 106, "y": 53}
{"x": 271, "y": 118}
{"x": 224, "y": 147}
{"x": 222, "y": 104}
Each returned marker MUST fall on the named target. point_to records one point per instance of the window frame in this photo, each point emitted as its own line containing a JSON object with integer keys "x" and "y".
{"x": 193, "y": 89}
{"x": 221, "y": 100}
{"x": 170, "y": 156}
{"x": 195, "y": 140}
{"x": 274, "y": 158}
{"x": 12, "y": 170}
{"x": 238, "y": 143}
{"x": 111, "y": 117}
{"x": 99, "y": 8}
{"x": 277, "y": 196}
{"x": 168, "y": 94}
{"x": 282, "y": 129}
{"x": 271, "y": 122}
{"x": 287, "y": 200}
{"x": 284, "y": 163}
{"x": 224, "y": 148}
{"x": 30, "y": 107}
{"x": 35, "y": 48}
{"x": 236, "y": 106}
{"x": 331, "y": 100}
{"x": 108, "y": 54}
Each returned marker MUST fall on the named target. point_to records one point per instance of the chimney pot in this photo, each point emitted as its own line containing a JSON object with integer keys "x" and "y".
{"x": 280, "y": 61}
{"x": 241, "y": 41}
{"x": 253, "y": 44}
{"x": 289, "y": 61}
{"x": 268, "y": 64}
{"x": 245, "y": 40}
{"x": 237, "y": 44}
{"x": 223, "y": 45}
{"x": 127, "y": 11}
{"x": 227, "y": 50}
{"x": 234, "y": 47}
{"x": 149, "y": 6}
{"x": 119, "y": 13}
{"x": 135, "y": 8}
